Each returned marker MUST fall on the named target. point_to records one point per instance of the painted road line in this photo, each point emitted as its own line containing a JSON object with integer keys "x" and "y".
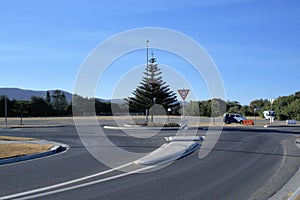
{"x": 85, "y": 184}
{"x": 158, "y": 161}
{"x": 62, "y": 184}
{"x": 167, "y": 153}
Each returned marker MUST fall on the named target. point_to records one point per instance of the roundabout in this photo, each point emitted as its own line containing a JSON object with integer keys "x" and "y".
{"x": 245, "y": 163}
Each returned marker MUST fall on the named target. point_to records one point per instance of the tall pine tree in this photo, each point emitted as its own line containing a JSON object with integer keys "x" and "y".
{"x": 48, "y": 98}
{"x": 152, "y": 90}
{"x": 59, "y": 102}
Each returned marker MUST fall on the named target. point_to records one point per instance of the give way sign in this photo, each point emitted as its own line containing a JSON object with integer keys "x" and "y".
{"x": 183, "y": 93}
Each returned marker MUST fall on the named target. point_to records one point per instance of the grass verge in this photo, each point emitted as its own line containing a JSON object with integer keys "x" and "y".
{"x": 16, "y": 149}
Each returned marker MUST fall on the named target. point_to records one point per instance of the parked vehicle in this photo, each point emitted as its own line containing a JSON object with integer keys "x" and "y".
{"x": 268, "y": 114}
{"x": 233, "y": 118}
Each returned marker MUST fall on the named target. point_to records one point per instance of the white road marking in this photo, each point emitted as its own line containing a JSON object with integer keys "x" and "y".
{"x": 32, "y": 193}
{"x": 62, "y": 184}
{"x": 85, "y": 184}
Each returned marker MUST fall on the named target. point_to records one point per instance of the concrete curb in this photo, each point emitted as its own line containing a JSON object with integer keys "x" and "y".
{"x": 295, "y": 195}
{"x": 33, "y": 126}
{"x": 185, "y": 138}
{"x": 140, "y": 128}
{"x": 178, "y": 147}
{"x": 286, "y": 192}
{"x": 55, "y": 149}
{"x": 169, "y": 152}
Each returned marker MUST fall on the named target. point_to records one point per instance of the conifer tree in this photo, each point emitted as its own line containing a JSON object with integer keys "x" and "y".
{"x": 59, "y": 102}
{"x": 48, "y": 98}
{"x": 152, "y": 90}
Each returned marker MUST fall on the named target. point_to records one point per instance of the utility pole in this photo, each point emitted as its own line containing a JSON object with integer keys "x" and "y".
{"x": 147, "y": 111}
{"x": 255, "y": 109}
{"x": 21, "y": 119}
{"x": 272, "y": 117}
{"x": 5, "y": 110}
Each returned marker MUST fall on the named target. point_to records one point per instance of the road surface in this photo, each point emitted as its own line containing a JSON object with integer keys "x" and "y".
{"x": 246, "y": 163}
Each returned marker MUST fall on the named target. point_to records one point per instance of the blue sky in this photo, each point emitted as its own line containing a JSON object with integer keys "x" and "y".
{"x": 254, "y": 43}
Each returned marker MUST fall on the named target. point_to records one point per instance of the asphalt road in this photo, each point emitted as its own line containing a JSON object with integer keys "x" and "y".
{"x": 246, "y": 163}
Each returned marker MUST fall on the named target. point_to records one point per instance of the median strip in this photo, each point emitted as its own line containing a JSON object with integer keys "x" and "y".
{"x": 185, "y": 138}
{"x": 169, "y": 152}
{"x": 10, "y": 150}
{"x": 16, "y": 149}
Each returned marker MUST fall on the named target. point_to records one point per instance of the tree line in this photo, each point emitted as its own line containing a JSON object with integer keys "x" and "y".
{"x": 285, "y": 107}
{"x": 56, "y": 104}
{"x": 53, "y": 105}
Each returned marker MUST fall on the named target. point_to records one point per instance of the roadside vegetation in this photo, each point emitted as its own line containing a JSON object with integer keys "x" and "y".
{"x": 153, "y": 97}
{"x": 11, "y": 146}
{"x": 286, "y": 107}
{"x": 19, "y": 149}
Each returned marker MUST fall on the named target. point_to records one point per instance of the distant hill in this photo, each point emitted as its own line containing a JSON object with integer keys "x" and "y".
{"x": 18, "y": 94}
{"x": 117, "y": 101}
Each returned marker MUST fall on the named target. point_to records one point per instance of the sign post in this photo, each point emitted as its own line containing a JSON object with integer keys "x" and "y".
{"x": 169, "y": 111}
{"x": 255, "y": 109}
{"x": 272, "y": 117}
{"x": 183, "y": 93}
